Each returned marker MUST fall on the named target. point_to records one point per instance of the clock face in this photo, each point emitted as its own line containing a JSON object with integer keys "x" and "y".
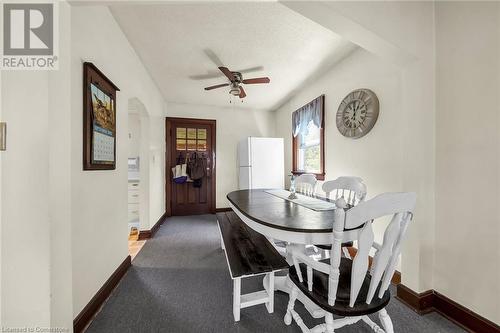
{"x": 357, "y": 113}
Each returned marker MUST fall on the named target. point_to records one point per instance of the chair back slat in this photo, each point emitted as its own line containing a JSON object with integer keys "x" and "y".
{"x": 360, "y": 261}
{"x": 306, "y": 184}
{"x": 391, "y": 267}
{"x": 384, "y": 255}
{"x": 352, "y": 189}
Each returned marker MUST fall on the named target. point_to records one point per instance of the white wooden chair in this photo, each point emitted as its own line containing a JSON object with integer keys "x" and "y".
{"x": 306, "y": 184}
{"x": 343, "y": 287}
{"x": 353, "y": 190}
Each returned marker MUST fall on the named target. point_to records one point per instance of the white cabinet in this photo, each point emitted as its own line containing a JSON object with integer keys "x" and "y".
{"x": 133, "y": 213}
{"x": 133, "y": 196}
{"x": 133, "y": 203}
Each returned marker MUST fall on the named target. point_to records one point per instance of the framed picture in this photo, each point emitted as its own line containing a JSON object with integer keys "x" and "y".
{"x": 99, "y": 120}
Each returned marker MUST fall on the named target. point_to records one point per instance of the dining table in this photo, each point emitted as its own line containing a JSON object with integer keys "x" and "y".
{"x": 297, "y": 222}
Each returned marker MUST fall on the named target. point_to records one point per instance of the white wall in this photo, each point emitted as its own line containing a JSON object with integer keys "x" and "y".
{"x": 401, "y": 33}
{"x": 232, "y": 126}
{"x": 156, "y": 160}
{"x": 99, "y": 198}
{"x": 376, "y": 157}
{"x": 134, "y": 132}
{"x": 36, "y": 233}
{"x": 144, "y": 171}
{"x": 467, "y": 248}
{"x": 25, "y": 207}
{"x": 60, "y": 179}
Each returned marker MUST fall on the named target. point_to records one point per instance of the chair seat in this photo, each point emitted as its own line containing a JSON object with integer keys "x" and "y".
{"x": 319, "y": 294}
{"x": 329, "y": 247}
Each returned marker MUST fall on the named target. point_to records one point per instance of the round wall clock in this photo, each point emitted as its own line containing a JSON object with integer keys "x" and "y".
{"x": 357, "y": 113}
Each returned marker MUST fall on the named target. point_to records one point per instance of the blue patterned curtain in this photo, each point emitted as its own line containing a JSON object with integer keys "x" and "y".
{"x": 303, "y": 116}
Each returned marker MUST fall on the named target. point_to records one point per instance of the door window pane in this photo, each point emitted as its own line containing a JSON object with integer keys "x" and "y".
{"x": 181, "y": 133}
{"x": 202, "y": 145}
{"x": 180, "y": 144}
{"x": 202, "y": 134}
{"x": 191, "y": 144}
{"x": 191, "y": 133}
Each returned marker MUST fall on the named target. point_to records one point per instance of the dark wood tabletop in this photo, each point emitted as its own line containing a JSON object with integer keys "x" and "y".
{"x": 275, "y": 212}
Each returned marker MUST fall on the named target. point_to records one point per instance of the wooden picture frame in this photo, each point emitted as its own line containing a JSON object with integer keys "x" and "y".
{"x": 99, "y": 120}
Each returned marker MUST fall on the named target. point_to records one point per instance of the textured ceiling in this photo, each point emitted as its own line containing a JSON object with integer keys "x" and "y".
{"x": 180, "y": 44}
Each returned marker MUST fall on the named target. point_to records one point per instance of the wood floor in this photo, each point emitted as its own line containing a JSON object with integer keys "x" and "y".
{"x": 134, "y": 245}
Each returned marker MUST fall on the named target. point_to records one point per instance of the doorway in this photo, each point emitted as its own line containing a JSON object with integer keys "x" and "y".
{"x": 188, "y": 138}
{"x": 138, "y": 174}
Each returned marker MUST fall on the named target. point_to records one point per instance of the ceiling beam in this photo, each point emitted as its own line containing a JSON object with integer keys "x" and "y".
{"x": 327, "y": 17}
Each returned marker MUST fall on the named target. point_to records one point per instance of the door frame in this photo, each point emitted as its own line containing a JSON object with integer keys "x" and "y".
{"x": 168, "y": 160}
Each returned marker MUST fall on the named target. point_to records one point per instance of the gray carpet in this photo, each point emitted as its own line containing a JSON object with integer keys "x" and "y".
{"x": 179, "y": 282}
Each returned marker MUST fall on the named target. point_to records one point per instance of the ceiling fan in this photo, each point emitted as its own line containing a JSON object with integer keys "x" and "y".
{"x": 235, "y": 81}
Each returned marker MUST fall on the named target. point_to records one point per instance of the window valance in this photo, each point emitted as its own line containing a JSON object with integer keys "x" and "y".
{"x": 303, "y": 116}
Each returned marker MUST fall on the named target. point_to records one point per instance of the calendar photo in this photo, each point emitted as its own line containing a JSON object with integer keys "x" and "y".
{"x": 103, "y": 138}
{"x": 99, "y": 120}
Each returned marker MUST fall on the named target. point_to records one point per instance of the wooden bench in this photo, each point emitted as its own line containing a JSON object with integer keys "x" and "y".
{"x": 248, "y": 253}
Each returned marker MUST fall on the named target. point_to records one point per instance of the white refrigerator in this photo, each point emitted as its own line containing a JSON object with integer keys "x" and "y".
{"x": 261, "y": 163}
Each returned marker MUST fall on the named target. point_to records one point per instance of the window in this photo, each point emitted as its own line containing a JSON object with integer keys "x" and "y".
{"x": 308, "y": 139}
{"x": 191, "y": 139}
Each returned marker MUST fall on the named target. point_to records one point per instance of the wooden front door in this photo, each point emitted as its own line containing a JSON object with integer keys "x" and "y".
{"x": 184, "y": 138}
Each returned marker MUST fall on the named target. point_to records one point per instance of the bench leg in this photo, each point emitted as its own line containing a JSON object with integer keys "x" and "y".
{"x": 270, "y": 292}
{"x": 236, "y": 298}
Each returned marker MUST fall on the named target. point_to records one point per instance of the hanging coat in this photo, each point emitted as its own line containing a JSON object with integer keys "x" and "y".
{"x": 197, "y": 166}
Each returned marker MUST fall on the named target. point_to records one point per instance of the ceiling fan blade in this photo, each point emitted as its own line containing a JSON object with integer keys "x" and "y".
{"x": 217, "y": 86}
{"x": 227, "y": 73}
{"x": 242, "y": 93}
{"x": 211, "y": 74}
{"x": 251, "y": 69}
{"x": 212, "y": 56}
{"x": 257, "y": 80}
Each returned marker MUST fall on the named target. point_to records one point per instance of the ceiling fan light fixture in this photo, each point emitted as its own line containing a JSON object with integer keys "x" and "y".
{"x": 235, "y": 91}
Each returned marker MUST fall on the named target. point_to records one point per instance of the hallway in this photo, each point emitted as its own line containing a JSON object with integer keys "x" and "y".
{"x": 179, "y": 282}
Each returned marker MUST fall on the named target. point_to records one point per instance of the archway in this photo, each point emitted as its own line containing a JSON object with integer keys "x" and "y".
{"x": 138, "y": 173}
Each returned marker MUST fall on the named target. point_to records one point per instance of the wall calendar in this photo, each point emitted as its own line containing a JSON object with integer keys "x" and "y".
{"x": 99, "y": 120}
